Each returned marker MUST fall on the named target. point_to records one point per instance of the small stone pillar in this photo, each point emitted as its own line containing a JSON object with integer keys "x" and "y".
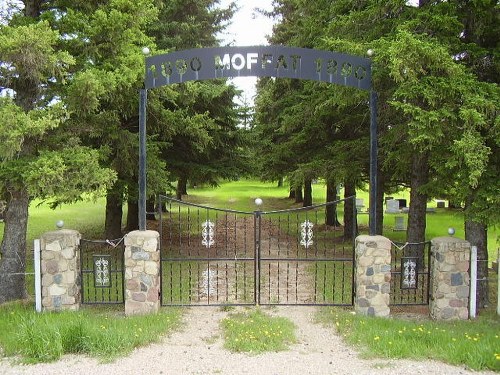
{"x": 60, "y": 269}
{"x": 450, "y": 282}
{"x": 142, "y": 272}
{"x": 373, "y": 275}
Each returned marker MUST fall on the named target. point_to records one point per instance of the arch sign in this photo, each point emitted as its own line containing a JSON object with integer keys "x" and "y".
{"x": 257, "y": 61}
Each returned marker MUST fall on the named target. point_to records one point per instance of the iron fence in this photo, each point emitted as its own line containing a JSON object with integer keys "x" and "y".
{"x": 212, "y": 256}
{"x": 410, "y": 273}
{"x": 102, "y": 271}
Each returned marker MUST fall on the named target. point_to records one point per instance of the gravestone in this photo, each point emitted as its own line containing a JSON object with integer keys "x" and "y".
{"x": 360, "y": 204}
{"x": 399, "y": 223}
{"x": 402, "y": 202}
{"x": 392, "y": 206}
{"x": 440, "y": 204}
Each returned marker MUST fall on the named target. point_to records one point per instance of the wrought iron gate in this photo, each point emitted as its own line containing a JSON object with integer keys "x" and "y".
{"x": 102, "y": 276}
{"x": 410, "y": 270}
{"x": 213, "y": 256}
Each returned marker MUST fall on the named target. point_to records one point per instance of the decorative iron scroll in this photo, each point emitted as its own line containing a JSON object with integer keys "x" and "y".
{"x": 306, "y": 234}
{"x": 258, "y": 61}
{"x": 409, "y": 273}
{"x": 207, "y": 234}
{"x": 102, "y": 272}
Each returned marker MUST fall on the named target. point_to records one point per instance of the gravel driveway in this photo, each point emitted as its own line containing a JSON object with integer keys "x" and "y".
{"x": 198, "y": 349}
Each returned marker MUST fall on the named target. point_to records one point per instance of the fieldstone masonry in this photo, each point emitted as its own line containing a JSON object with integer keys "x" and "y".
{"x": 450, "y": 282}
{"x": 142, "y": 272}
{"x": 60, "y": 268}
{"x": 373, "y": 275}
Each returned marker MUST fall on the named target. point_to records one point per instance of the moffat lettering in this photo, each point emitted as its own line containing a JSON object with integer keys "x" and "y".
{"x": 261, "y": 61}
{"x": 239, "y": 61}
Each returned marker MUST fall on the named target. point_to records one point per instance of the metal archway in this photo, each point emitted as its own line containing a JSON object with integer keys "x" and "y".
{"x": 258, "y": 61}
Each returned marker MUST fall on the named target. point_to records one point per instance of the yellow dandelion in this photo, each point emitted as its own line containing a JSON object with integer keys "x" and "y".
{"x": 497, "y": 356}
{"x": 376, "y": 338}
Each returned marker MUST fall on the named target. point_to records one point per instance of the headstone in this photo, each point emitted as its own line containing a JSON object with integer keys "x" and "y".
{"x": 392, "y": 206}
{"x": 388, "y": 199}
{"x": 440, "y": 204}
{"x": 359, "y": 204}
{"x": 402, "y": 202}
{"x": 399, "y": 223}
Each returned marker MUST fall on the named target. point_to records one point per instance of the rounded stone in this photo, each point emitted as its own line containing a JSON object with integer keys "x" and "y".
{"x": 139, "y": 297}
{"x": 52, "y": 266}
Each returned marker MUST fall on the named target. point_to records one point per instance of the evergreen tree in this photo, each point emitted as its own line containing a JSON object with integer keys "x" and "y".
{"x": 42, "y": 159}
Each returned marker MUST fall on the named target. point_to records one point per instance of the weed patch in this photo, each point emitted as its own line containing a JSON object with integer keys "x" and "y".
{"x": 475, "y": 344}
{"x": 104, "y": 334}
{"x": 257, "y": 332}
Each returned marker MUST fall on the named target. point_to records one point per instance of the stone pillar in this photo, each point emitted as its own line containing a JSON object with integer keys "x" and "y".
{"x": 142, "y": 272}
{"x": 450, "y": 282}
{"x": 372, "y": 275}
{"x": 60, "y": 268}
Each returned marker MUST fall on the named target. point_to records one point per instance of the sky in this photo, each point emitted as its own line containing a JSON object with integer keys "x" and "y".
{"x": 248, "y": 28}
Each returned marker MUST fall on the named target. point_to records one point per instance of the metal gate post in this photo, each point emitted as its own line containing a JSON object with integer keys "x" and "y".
{"x": 373, "y": 163}
{"x": 257, "y": 234}
{"x": 143, "y": 97}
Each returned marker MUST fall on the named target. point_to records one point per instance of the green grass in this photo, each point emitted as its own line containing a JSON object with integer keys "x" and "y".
{"x": 256, "y": 332}
{"x": 104, "y": 333}
{"x": 475, "y": 344}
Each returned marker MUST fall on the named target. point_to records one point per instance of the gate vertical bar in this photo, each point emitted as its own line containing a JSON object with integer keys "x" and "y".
{"x": 373, "y": 162}
{"x": 143, "y": 97}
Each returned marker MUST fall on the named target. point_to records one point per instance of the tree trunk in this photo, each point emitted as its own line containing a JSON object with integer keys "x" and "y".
{"x": 280, "y": 182}
{"x": 415, "y": 234}
{"x": 114, "y": 212}
{"x": 132, "y": 215}
{"x": 181, "y": 188}
{"x": 331, "y": 209}
{"x": 477, "y": 235}
{"x": 299, "y": 197}
{"x": 292, "y": 193}
{"x": 350, "y": 220}
{"x": 13, "y": 247}
{"x": 308, "y": 199}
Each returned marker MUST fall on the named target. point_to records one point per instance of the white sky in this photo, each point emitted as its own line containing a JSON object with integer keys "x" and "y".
{"x": 248, "y": 28}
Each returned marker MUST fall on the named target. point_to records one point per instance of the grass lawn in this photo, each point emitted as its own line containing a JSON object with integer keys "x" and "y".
{"x": 475, "y": 344}
{"x": 240, "y": 195}
{"x": 101, "y": 332}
